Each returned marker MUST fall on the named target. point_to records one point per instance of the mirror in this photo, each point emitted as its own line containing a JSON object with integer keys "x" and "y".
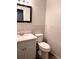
{"x": 24, "y": 13}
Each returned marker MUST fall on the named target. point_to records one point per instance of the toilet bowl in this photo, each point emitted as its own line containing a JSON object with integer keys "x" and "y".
{"x": 44, "y": 48}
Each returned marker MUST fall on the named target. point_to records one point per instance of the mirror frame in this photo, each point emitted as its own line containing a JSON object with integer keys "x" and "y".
{"x": 30, "y": 13}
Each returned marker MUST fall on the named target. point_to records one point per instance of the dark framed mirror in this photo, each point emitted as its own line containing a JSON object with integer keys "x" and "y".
{"x": 24, "y": 13}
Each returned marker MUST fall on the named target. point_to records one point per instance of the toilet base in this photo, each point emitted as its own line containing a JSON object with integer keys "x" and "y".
{"x": 44, "y": 55}
{"x": 40, "y": 53}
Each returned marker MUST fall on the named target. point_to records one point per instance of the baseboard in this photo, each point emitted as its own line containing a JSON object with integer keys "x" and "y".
{"x": 57, "y": 57}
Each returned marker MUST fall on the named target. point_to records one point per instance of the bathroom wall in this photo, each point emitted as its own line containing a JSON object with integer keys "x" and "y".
{"x": 38, "y": 18}
{"x": 52, "y": 26}
{"x": 45, "y": 18}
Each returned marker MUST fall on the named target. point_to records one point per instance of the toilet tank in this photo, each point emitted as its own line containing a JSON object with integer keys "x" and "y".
{"x": 39, "y": 37}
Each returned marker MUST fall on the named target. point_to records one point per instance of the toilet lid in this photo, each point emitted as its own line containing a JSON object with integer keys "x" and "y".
{"x": 44, "y": 46}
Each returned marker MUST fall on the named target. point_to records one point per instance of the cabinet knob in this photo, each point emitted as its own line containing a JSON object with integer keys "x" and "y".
{"x": 23, "y": 49}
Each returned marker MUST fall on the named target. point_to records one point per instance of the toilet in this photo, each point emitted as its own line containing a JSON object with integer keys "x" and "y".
{"x": 44, "y": 48}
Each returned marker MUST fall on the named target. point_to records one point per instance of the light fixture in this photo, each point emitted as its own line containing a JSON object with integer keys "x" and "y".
{"x": 25, "y": 2}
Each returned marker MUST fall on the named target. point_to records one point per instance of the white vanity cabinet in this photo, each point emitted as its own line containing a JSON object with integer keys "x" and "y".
{"x": 26, "y": 49}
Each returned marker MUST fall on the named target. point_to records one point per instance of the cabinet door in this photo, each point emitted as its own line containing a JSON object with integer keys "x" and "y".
{"x": 20, "y": 54}
{"x": 21, "y": 51}
{"x": 26, "y": 50}
{"x": 31, "y": 49}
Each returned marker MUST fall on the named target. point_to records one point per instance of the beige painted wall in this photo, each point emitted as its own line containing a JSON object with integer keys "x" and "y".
{"x": 52, "y": 26}
{"x": 38, "y": 18}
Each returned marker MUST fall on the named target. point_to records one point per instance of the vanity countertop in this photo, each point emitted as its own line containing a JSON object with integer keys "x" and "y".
{"x": 24, "y": 37}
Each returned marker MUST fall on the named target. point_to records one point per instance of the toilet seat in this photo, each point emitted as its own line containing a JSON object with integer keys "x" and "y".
{"x": 44, "y": 46}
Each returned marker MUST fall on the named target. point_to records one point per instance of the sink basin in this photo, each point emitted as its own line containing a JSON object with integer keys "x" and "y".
{"x": 24, "y": 37}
